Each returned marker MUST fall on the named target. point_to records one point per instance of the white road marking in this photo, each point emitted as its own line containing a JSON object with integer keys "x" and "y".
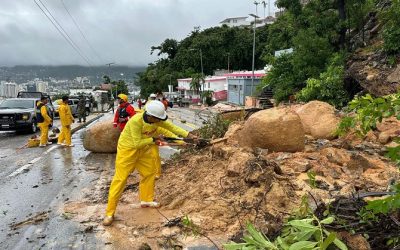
{"x": 50, "y": 149}
{"x": 20, "y": 170}
{"x": 35, "y": 160}
{"x": 24, "y": 167}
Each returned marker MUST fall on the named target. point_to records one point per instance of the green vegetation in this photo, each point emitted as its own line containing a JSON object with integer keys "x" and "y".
{"x": 317, "y": 34}
{"x": 215, "y": 127}
{"x": 391, "y": 30}
{"x": 119, "y": 87}
{"x": 207, "y": 96}
{"x": 329, "y": 86}
{"x": 303, "y": 231}
{"x": 367, "y": 113}
{"x": 214, "y": 46}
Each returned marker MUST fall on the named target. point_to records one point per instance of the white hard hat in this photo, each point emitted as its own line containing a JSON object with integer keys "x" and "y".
{"x": 153, "y": 95}
{"x": 157, "y": 109}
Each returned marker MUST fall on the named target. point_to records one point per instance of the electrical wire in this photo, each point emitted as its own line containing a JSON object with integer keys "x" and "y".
{"x": 66, "y": 36}
{"x": 66, "y": 33}
{"x": 80, "y": 30}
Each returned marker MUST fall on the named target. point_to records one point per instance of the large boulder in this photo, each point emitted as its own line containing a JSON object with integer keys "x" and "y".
{"x": 276, "y": 129}
{"x": 319, "y": 119}
{"x": 102, "y": 137}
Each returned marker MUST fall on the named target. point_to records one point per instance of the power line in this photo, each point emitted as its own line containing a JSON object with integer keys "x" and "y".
{"x": 66, "y": 36}
{"x": 80, "y": 30}
{"x": 66, "y": 33}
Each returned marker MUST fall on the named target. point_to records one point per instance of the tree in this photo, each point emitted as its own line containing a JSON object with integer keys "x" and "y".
{"x": 169, "y": 47}
{"x": 197, "y": 80}
{"x": 120, "y": 87}
{"x": 107, "y": 79}
{"x": 282, "y": 78}
{"x": 329, "y": 87}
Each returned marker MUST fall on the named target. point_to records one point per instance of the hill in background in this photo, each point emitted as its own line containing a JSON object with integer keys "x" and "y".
{"x": 22, "y": 74}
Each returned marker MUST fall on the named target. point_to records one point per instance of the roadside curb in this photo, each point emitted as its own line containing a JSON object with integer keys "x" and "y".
{"x": 79, "y": 127}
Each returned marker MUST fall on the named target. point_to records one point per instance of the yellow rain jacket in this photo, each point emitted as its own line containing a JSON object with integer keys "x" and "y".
{"x": 44, "y": 126}
{"x": 136, "y": 151}
{"x": 66, "y": 119}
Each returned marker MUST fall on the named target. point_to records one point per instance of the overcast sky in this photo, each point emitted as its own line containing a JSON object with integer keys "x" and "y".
{"x": 120, "y": 31}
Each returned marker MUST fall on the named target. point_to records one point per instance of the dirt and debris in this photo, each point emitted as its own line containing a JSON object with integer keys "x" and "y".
{"x": 223, "y": 186}
{"x": 33, "y": 220}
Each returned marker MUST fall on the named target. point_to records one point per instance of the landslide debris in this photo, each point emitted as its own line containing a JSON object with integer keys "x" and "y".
{"x": 227, "y": 185}
{"x": 224, "y": 186}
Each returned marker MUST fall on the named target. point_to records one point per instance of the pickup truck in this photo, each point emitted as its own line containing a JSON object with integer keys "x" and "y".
{"x": 19, "y": 114}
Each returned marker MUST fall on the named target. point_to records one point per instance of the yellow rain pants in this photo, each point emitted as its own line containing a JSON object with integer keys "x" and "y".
{"x": 44, "y": 126}
{"x": 66, "y": 119}
{"x": 157, "y": 159}
{"x": 126, "y": 162}
{"x": 44, "y": 132}
{"x": 65, "y": 135}
{"x": 136, "y": 150}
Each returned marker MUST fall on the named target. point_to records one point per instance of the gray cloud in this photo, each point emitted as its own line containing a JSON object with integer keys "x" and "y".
{"x": 121, "y": 31}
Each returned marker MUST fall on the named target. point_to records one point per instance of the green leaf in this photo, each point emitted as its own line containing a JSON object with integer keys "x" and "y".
{"x": 282, "y": 243}
{"x": 331, "y": 237}
{"x": 304, "y": 225}
{"x": 234, "y": 246}
{"x": 327, "y": 220}
{"x": 337, "y": 242}
{"x": 340, "y": 244}
{"x": 303, "y": 245}
{"x": 304, "y": 235}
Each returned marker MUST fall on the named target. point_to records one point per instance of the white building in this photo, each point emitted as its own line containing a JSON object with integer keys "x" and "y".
{"x": 235, "y": 21}
{"x": 41, "y": 86}
{"x": 76, "y": 91}
{"x": 216, "y": 84}
{"x": 82, "y": 81}
{"x": 9, "y": 89}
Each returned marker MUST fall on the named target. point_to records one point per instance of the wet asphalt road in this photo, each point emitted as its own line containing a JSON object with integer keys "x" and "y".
{"x": 35, "y": 182}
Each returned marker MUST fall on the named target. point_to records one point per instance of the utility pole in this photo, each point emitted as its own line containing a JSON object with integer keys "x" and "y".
{"x": 109, "y": 71}
{"x": 201, "y": 65}
{"x": 254, "y": 51}
{"x": 228, "y": 60}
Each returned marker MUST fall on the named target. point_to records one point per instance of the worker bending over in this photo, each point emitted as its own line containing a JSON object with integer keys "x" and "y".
{"x": 135, "y": 150}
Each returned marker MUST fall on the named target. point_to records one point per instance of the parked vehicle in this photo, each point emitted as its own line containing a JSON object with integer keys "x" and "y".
{"x": 19, "y": 114}
{"x": 38, "y": 96}
{"x": 73, "y": 104}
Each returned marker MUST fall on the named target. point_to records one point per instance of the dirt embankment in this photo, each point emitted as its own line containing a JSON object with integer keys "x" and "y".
{"x": 224, "y": 186}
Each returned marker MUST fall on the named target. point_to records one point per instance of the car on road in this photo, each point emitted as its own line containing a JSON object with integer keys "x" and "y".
{"x": 19, "y": 114}
{"x": 73, "y": 104}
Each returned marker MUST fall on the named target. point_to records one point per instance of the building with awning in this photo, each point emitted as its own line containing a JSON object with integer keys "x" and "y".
{"x": 216, "y": 84}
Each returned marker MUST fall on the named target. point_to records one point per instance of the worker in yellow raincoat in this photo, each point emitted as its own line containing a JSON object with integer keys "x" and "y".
{"x": 66, "y": 119}
{"x": 141, "y": 135}
{"x": 44, "y": 121}
{"x": 155, "y": 151}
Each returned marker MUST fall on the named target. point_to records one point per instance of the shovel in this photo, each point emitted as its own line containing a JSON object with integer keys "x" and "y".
{"x": 198, "y": 142}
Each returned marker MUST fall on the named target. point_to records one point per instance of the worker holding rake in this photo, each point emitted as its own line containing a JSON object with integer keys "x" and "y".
{"x": 142, "y": 133}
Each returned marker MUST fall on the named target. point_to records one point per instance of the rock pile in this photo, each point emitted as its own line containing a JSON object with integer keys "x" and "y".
{"x": 224, "y": 186}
